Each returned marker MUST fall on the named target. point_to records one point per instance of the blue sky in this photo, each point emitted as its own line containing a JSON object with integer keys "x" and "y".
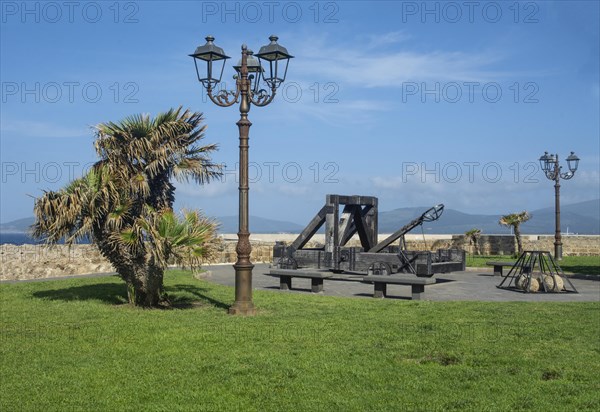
{"x": 416, "y": 103}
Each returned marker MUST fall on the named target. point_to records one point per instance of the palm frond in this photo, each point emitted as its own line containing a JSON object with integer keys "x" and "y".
{"x": 125, "y": 200}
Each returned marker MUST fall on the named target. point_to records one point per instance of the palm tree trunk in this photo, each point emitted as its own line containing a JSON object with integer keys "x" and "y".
{"x": 147, "y": 286}
{"x": 518, "y": 236}
{"x": 131, "y": 291}
{"x": 144, "y": 279}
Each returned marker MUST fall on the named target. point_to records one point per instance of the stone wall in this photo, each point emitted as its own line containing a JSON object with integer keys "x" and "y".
{"x": 573, "y": 245}
{"x": 262, "y": 252}
{"x": 36, "y": 261}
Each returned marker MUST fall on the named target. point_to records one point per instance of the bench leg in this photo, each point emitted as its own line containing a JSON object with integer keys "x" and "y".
{"x": 497, "y": 270}
{"x": 316, "y": 285}
{"x": 380, "y": 290}
{"x": 417, "y": 291}
{"x": 285, "y": 282}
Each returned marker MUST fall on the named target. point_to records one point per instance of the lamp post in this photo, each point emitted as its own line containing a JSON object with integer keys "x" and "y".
{"x": 247, "y": 92}
{"x": 552, "y": 170}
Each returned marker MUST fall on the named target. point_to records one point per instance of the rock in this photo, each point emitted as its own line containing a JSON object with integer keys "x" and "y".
{"x": 520, "y": 282}
{"x": 533, "y": 285}
{"x": 553, "y": 283}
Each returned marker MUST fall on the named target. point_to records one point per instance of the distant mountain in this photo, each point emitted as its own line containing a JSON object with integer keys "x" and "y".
{"x": 229, "y": 224}
{"x": 581, "y": 218}
{"x": 17, "y": 226}
{"x": 543, "y": 222}
{"x": 451, "y": 221}
{"x": 590, "y": 209}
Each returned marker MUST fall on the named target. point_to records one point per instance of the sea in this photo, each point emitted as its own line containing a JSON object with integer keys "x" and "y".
{"x": 22, "y": 239}
{"x": 16, "y": 239}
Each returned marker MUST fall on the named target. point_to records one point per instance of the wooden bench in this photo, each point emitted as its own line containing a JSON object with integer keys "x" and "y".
{"x": 285, "y": 278}
{"x": 380, "y": 284}
{"x": 498, "y": 266}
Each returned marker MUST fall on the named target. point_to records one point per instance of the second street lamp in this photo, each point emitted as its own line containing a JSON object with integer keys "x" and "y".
{"x": 247, "y": 92}
{"x": 552, "y": 170}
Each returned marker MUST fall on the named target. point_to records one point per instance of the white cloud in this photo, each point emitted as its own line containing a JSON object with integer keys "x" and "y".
{"x": 391, "y": 70}
{"x": 378, "y": 62}
{"x": 325, "y": 70}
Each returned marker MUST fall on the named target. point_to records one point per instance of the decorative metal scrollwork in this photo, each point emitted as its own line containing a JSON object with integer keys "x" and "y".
{"x": 224, "y": 98}
{"x": 262, "y": 97}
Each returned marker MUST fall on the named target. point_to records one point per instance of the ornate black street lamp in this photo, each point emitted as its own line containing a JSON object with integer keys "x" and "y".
{"x": 552, "y": 170}
{"x": 247, "y": 91}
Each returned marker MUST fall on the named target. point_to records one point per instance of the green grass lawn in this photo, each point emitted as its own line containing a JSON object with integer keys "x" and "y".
{"x": 73, "y": 345}
{"x": 586, "y": 265}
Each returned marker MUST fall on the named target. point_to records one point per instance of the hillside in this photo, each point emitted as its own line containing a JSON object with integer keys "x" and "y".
{"x": 577, "y": 218}
{"x": 229, "y": 224}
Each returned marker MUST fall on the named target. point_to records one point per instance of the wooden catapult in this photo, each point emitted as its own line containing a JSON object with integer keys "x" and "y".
{"x": 347, "y": 216}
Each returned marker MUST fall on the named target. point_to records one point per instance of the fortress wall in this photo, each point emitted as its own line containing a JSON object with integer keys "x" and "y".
{"x": 37, "y": 261}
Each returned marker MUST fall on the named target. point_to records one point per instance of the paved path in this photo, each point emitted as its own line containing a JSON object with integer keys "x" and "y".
{"x": 470, "y": 285}
{"x": 475, "y": 284}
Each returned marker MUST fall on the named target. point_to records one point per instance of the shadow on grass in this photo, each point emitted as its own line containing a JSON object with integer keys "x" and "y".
{"x": 200, "y": 298}
{"x": 294, "y": 289}
{"x": 389, "y": 297}
{"x": 112, "y": 293}
{"x": 582, "y": 269}
{"x": 116, "y": 294}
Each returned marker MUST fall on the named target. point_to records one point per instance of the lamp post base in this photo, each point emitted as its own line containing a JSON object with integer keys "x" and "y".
{"x": 558, "y": 251}
{"x": 243, "y": 308}
{"x": 243, "y": 304}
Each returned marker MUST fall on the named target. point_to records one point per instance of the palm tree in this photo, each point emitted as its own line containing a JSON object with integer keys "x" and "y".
{"x": 473, "y": 235}
{"x": 124, "y": 204}
{"x": 514, "y": 220}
